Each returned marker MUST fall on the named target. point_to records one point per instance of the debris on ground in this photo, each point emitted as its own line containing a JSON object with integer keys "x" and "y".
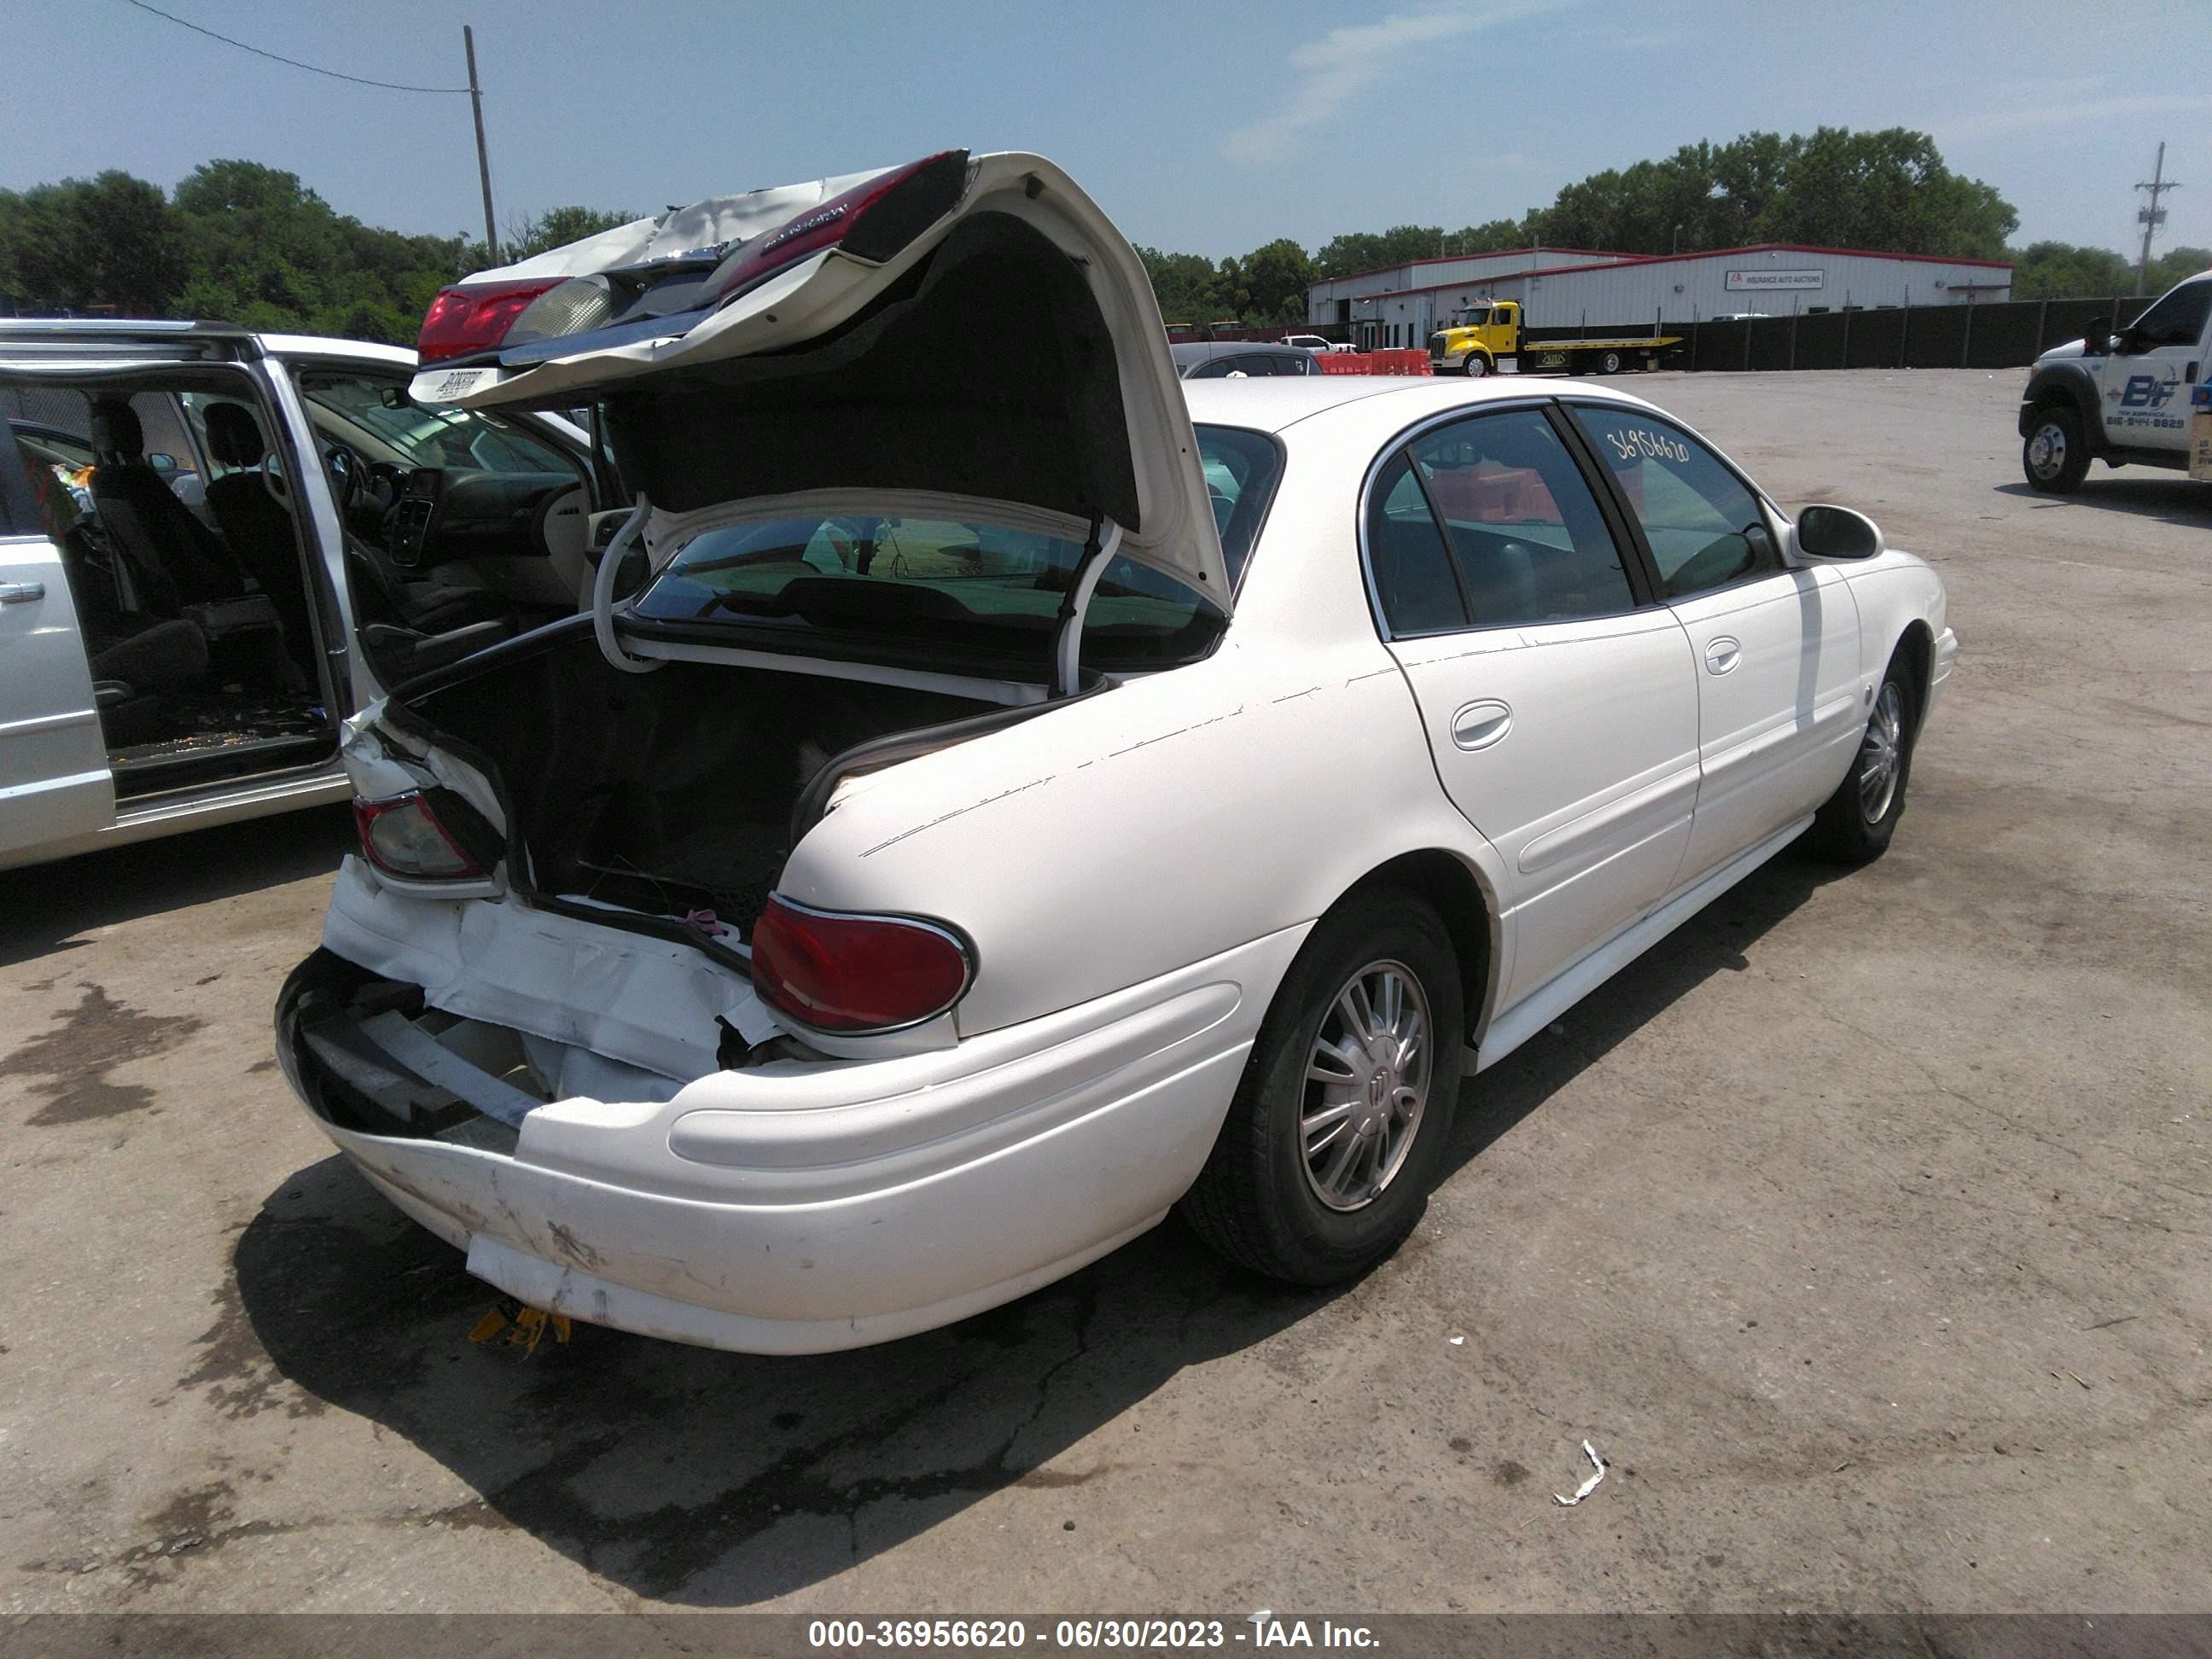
{"x": 1589, "y": 1485}
{"x": 525, "y": 1326}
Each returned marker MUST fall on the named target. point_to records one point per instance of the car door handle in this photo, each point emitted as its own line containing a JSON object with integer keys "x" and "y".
{"x": 1478, "y": 724}
{"x": 1722, "y": 654}
{"x": 22, "y": 592}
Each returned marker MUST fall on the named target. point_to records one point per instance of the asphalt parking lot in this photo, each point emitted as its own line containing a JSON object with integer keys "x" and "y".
{"x": 1862, "y": 1226}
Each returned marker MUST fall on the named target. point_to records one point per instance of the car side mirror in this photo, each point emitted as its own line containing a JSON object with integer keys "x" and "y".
{"x": 2097, "y": 338}
{"x": 161, "y": 462}
{"x": 1837, "y": 532}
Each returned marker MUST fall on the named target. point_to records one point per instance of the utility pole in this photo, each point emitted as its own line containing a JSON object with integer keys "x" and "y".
{"x": 483, "y": 161}
{"x": 2153, "y": 215}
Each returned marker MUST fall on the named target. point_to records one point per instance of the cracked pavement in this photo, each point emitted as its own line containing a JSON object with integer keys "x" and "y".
{"x": 1860, "y": 1226}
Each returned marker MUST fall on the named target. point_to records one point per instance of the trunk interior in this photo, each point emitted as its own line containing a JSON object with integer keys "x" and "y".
{"x": 666, "y": 792}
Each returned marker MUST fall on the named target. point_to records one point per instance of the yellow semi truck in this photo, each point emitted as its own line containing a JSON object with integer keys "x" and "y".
{"x": 1480, "y": 335}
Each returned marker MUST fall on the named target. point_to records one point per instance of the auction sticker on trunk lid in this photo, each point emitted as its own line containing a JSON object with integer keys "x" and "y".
{"x": 443, "y": 385}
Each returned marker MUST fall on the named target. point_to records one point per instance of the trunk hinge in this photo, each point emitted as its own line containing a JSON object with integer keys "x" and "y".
{"x": 603, "y": 594}
{"x": 1067, "y": 650}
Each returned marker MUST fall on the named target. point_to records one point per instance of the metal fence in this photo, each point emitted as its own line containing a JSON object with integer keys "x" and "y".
{"x": 2011, "y": 334}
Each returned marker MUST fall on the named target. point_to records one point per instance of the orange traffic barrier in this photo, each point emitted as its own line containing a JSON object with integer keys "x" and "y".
{"x": 1397, "y": 362}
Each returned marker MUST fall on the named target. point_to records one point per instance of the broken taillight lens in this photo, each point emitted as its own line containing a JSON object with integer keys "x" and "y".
{"x": 401, "y": 837}
{"x": 871, "y": 222}
{"x": 464, "y": 320}
{"x": 849, "y": 974}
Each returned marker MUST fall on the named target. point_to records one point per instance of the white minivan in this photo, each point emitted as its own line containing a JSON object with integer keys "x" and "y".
{"x": 215, "y": 545}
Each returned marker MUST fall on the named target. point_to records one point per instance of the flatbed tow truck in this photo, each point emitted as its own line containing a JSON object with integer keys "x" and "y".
{"x": 1479, "y": 336}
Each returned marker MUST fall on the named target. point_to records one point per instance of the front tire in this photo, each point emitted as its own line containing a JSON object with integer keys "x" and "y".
{"x": 1476, "y": 365}
{"x": 2055, "y": 455}
{"x": 1337, "y": 1130}
{"x": 1854, "y": 826}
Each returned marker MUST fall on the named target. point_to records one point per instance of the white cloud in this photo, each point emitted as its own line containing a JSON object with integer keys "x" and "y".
{"x": 2081, "y": 113}
{"x": 1349, "y": 61}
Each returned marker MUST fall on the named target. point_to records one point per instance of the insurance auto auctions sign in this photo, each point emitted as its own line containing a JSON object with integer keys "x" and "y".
{"x": 1762, "y": 281}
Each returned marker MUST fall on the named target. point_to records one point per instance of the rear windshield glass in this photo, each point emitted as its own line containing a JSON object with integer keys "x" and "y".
{"x": 964, "y": 584}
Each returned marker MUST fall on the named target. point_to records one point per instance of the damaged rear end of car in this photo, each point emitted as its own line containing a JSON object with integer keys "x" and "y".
{"x": 595, "y": 1002}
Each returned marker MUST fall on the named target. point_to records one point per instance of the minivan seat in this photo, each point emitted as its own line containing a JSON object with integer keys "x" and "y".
{"x": 258, "y": 527}
{"x": 155, "y": 533}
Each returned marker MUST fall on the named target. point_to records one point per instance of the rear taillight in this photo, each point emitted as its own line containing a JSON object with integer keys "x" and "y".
{"x": 850, "y": 974}
{"x": 467, "y": 319}
{"x": 872, "y": 220}
{"x": 401, "y": 837}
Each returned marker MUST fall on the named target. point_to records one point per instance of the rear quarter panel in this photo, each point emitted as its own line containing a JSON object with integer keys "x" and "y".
{"x": 1178, "y": 815}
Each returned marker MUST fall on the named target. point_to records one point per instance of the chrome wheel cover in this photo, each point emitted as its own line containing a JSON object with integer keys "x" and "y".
{"x": 2046, "y": 450}
{"x": 1881, "y": 754}
{"x": 1366, "y": 1086}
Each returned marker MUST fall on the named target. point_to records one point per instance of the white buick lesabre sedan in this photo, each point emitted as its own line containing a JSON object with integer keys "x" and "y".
{"x": 1015, "y": 802}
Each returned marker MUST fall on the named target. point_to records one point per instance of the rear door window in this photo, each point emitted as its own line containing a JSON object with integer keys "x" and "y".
{"x": 1406, "y": 560}
{"x": 1530, "y": 541}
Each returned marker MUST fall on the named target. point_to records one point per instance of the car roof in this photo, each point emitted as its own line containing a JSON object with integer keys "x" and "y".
{"x": 1204, "y": 351}
{"x": 1273, "y": 403}
{"x": 141, "y": 333}
{"x": 319, "y": 345}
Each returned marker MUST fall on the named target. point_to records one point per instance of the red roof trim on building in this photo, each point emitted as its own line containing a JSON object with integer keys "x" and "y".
{"x": 1599, "y": 254}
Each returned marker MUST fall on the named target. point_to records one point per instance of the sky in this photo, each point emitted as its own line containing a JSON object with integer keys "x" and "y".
{"x": 1206, "y": 126}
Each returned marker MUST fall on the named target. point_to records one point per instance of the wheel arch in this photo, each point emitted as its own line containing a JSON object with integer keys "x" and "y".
{"x": 1468, "y": 909}
{"x": 2062, "y": 386}
{"x": 1916, "y": 645}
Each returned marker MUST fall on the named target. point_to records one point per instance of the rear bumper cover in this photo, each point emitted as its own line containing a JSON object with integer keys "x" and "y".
{"x": 794, "y": 1208}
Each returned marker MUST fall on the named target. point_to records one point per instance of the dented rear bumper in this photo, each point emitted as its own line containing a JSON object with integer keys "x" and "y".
{"x": 789, "y": 1207}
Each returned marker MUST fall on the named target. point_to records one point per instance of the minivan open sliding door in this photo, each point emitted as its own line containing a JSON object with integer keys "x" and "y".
{"x": 54, "y": 780}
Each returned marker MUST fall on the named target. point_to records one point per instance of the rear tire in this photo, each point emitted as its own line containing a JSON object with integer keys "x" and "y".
{"x": 1306, "y": 1182}
{"x": 2055, "y": 455}
{"x": 1854, "y": 826}
{"x": 1609, "y": 364}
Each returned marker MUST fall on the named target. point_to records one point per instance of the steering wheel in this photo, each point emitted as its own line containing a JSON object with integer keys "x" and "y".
{"x": 346, "y": 472}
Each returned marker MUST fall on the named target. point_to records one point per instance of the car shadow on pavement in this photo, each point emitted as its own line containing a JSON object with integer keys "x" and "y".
{"x": 721, "y": 1479}
{"x": 44, "y": 908}
{"x": 1712, "y": 941}
{"x": 2164, "y": 496}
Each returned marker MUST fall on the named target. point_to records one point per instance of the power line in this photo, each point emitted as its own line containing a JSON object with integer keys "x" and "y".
{"x": 313, "y": 69}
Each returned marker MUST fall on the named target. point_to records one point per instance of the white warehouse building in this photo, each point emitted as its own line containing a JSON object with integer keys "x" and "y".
{"x": 1580, "y": 288}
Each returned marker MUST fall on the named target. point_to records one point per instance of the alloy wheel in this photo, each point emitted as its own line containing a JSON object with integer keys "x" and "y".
{"x": 1367, "y": 1084}
{"x": 1882, "y": 753}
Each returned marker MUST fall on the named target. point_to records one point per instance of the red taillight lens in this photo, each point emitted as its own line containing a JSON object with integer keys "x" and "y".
{"x": 467, "y": 319}
{"x": 848, "y": 974}
{"x": 872, "y": 220}
{"x": 402, "y": 837}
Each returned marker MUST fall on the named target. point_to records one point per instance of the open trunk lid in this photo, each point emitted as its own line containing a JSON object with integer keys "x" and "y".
{"x": 970, "y": 331}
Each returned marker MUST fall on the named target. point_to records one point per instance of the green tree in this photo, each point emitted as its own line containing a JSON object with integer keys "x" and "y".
{"x": 268, "y": 252}
{"x": 1888, "y": 189}
{"x": 108, "y": 243}
{"x": 2171, "y": 267}
{"x": 2060, "y": 271}
{"x": 1348, "y": 255}
{"x": 1184, "y": 284}
{"x": 557, "y": 228}
{"x": 1275, "y": 278}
